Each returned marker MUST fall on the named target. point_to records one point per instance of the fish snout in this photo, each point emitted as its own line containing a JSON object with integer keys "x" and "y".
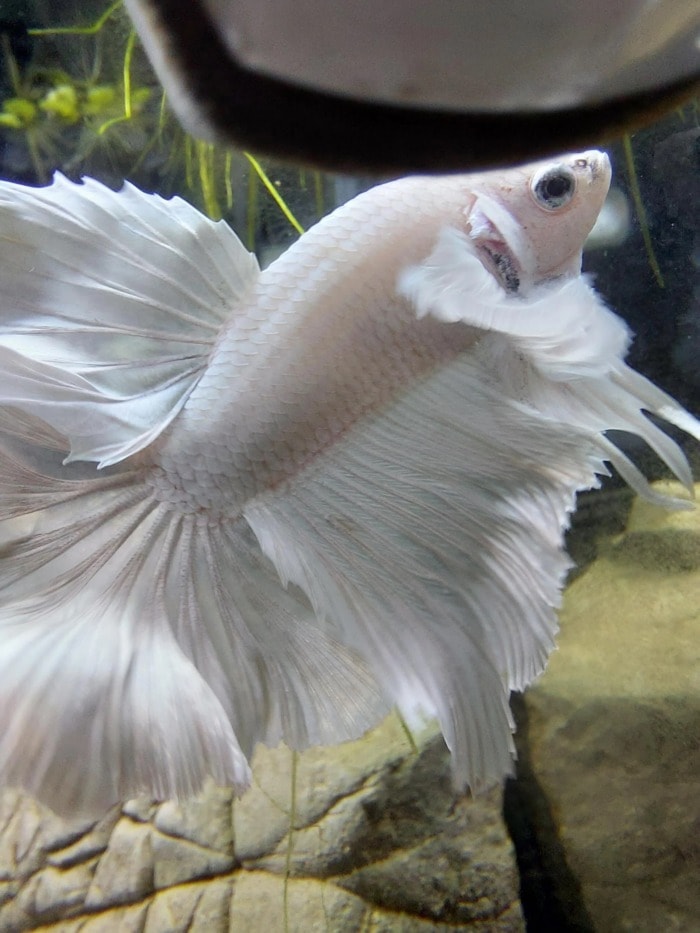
{"x": 594, "y": 163}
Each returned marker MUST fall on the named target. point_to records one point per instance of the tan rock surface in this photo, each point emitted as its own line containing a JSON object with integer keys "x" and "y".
{"x": 379, "y": 844}
{"x": 613, "y": 727}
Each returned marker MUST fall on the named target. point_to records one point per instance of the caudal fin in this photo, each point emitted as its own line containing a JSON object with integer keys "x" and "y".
{"x": 109, "y": 307}
{"x": 140, "y": 649}
{"x": 98, "y": 700}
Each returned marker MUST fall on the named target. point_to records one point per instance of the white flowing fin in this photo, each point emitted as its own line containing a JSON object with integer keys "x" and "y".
{"x": 142, "y": 650}
{"x": 562, "y": 327}
{"x": 656, "y": 401}
{"x": 572, "y": 347}
{"x": 617, "y": 401}
{"x": 430, "y": 536}
{"x": 279, "y": 670}
{"x": 634, "y": 478}
{"x": 111, "y": 302}
{"x": 97, "y": 699}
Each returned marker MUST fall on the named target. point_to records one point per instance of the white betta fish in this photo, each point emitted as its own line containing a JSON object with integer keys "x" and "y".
{"x": 242, "y": 506}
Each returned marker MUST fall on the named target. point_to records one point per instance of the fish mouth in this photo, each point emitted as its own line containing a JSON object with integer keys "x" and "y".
{"x": 595, "y": 162}
{"x": 501, "y": 264}
{"x": 494, "y": 252}
{"x": 575, "y": 181}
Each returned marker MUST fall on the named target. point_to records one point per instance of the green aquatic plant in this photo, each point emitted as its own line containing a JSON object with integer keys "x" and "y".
{"x": 22, "y": 115}
{"x": 61, "y": 117}
{"x": 640, "y": 210}
{"x": 87, "y": 103}
{"x": 90, "y": 30}
{"x": 276, "y": 196}
{"x": 290, "y": 839}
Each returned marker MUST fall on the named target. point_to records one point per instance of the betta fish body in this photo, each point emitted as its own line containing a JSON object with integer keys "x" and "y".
{"x": 242, "y": 506}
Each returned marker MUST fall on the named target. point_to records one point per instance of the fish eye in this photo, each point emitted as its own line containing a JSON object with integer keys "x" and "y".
{"x": 553, "y": 187}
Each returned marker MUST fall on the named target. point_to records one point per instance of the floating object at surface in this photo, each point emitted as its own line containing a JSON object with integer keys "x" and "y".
{"x": 398, "y": 86}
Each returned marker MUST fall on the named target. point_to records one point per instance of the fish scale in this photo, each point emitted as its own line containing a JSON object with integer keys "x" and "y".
{"x": 373, "y": 364}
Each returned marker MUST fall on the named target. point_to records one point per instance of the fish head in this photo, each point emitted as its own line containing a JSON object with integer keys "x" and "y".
{"x": 529, "y": 223}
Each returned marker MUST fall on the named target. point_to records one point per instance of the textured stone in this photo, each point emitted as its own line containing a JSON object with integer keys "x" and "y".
{"x": 141, "y": 809}
{"x": 52, "y": 886}
{"x": 613, "y": 727}
{"x": 261, "y": 900}
{"x": 178, "y": 860}
{"x": 374, "y": 840}
{"x": 262, "y": 818}
{"x": 77, "y": 851}
{"x": 191, "y": 907}
{"x": 125, "y": 872}
{"x": 123, "y": 919}
{"x": 205, "y": 821}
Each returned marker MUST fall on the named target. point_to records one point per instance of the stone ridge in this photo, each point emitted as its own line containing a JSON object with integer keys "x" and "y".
{"x": 379, "y": 844}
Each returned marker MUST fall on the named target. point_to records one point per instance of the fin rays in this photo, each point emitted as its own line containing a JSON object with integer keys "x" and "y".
{"x": 417, "y": 560}
{"x": 109, "y": 309}
{"x": 169, "y": 640}
{"x": 422, "y": 562}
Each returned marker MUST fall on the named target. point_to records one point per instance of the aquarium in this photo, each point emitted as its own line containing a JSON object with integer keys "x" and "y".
{"x": 597, "y": 827}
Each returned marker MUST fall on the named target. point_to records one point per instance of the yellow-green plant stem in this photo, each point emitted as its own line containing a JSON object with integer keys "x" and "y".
{"x": 126, "y": 72}
{"x": 251, "y": 209}
{"x": 318, "y": 191}
{"x": 205, "y": 161}
{"x": 407, "y": 732}
{"x": 162, "y": 111}
{"x": 228, "y": 168}
{"x": 78, "y": 30}
{"x": 290, "y": 839}
{"x": 35, "y": 157}
{"x": 189, "y": 174}
{"x": 12, "y": 68}
{"x": 156, "y": 137}
{"x": 639, "y": 208}
{"x": 274, "y": 193}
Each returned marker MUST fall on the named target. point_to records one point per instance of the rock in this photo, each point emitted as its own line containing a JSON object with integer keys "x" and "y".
{"x": 378, "y": 842}
{"x": 610, "y": 740}
{"x": 124, "y": 871}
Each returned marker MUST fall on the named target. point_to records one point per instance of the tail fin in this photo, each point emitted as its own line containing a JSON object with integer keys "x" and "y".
{"x": 140, "y": 649}
{"x": 110, "y": 304}
{"x": 143, "y": 650}
{"x": 98, "y": 699}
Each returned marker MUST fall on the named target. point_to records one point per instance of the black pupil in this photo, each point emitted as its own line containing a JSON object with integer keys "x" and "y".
{"x": 556, "y": 187}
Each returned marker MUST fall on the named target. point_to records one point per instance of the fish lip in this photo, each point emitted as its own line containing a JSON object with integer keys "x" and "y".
{"x": 595, "y": 161}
